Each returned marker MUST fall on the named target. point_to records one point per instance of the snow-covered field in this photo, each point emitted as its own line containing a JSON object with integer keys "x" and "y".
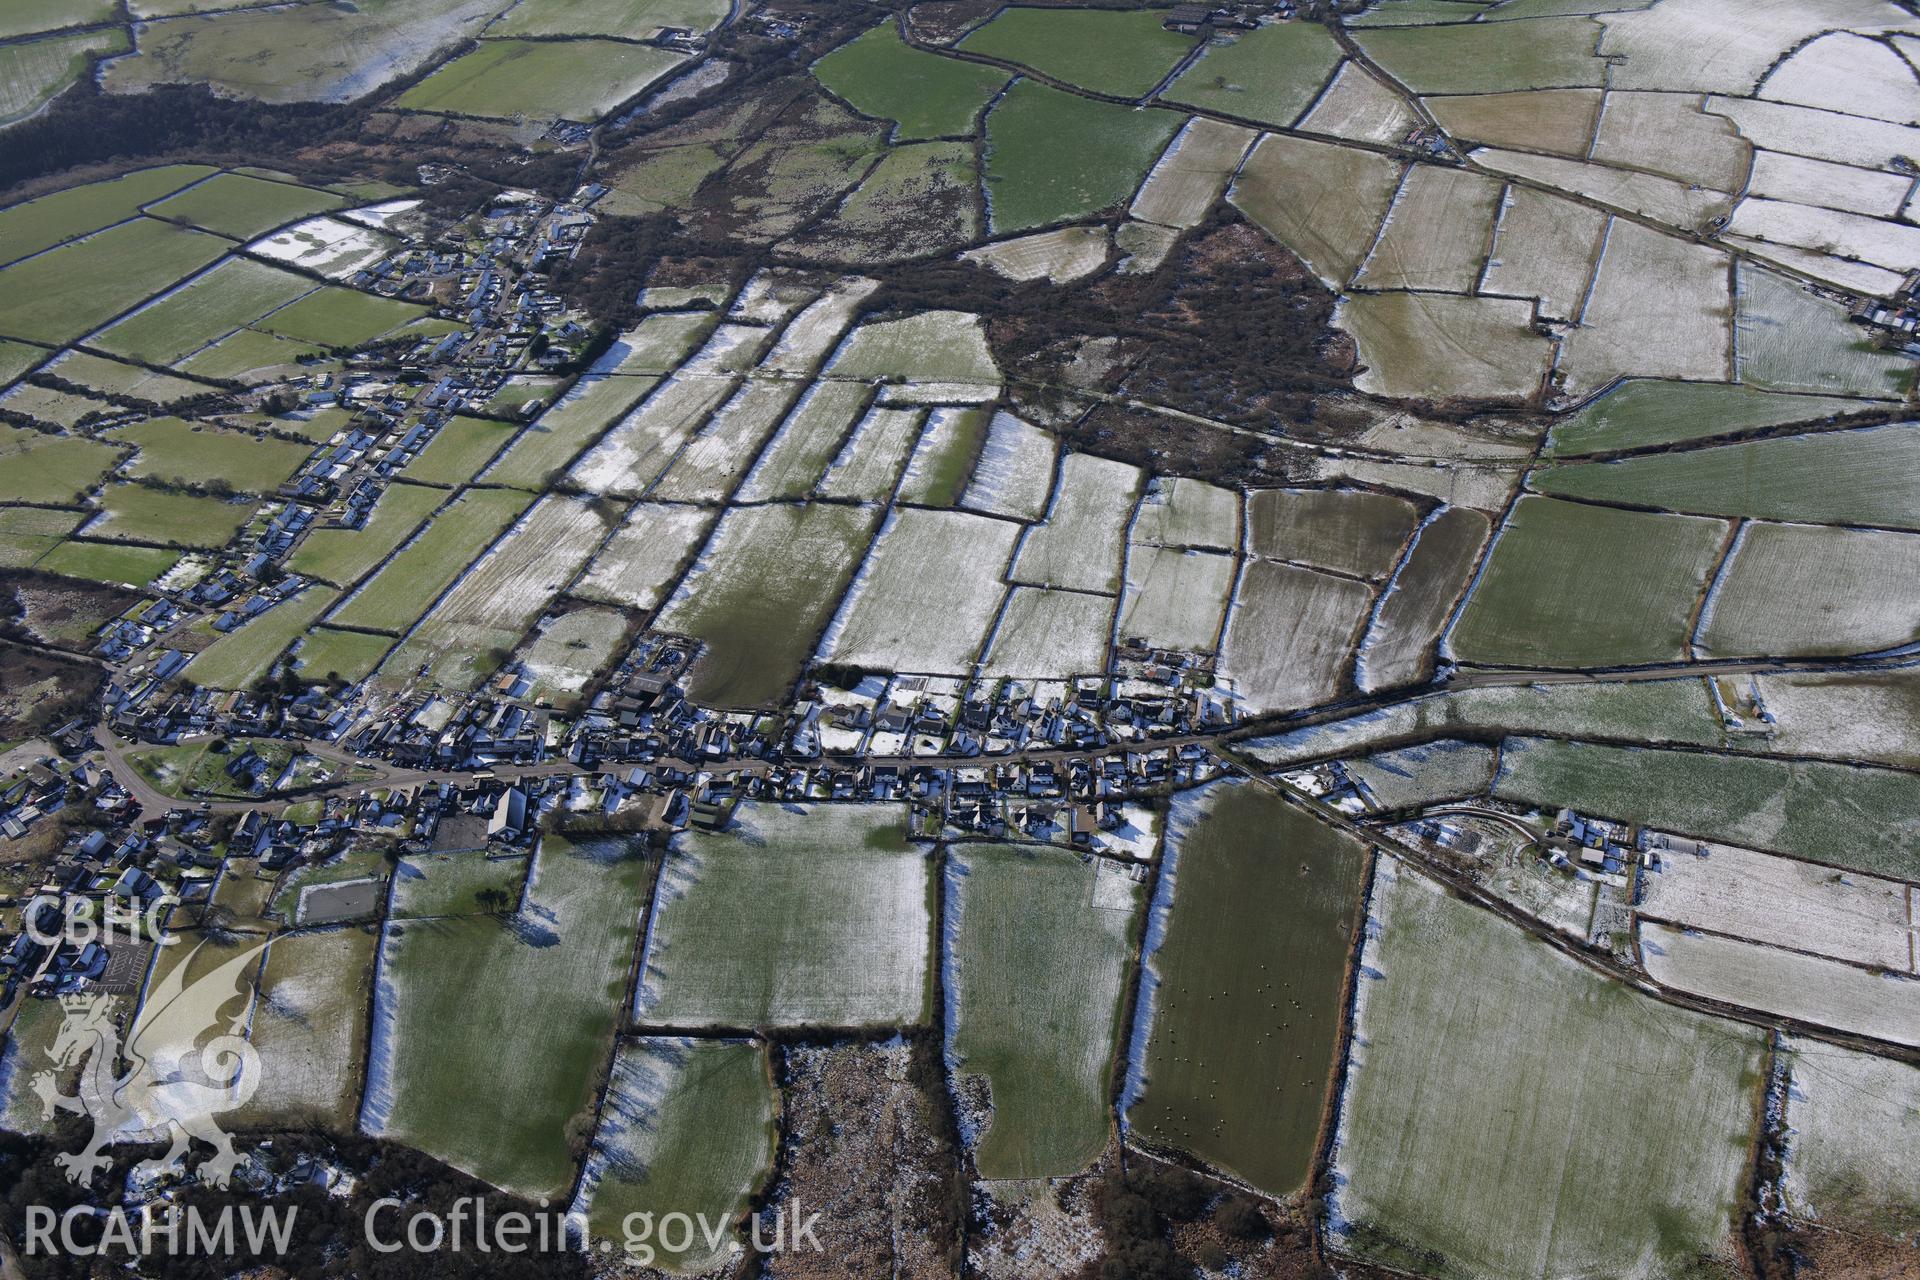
{"x": 926, "y": 596}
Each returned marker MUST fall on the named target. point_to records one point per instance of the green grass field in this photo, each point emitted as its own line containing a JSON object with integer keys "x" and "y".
{"x": 112, "y": 377}
{"x": 458, "y": 450}
{"x": 1271, "y": 74}
{"x": 926, "y": 95}
{"x": 1547, "y": 53}
{"x": 135, "y": 513}
{"x": 1864, "y": 818}
{"x": 688, "y": 1126}
{"x": 1038, "y": 949}
{"x": 1053, "y": 157}
{"x": 493, "y": 1034}
{"x": 77, "y": 287}
{"x": 1569, "y": 585}
{"x": 310, "y": 1028}
{"x": 27, "y": 533}
{"x": 351, "y": 655}
{"x": 1869, "y": 477}
{"x": 1510, "y": 1113}
{"x": 1248, "y": 952}
{"x": 450, "y": 884}
{"x": 233, "y": 204}
{"x": 407, "y": 585}
{"x": 335, "y": 317}
{"x": 1121, "y": 52}
{"x": 28, "y": 17}
{"x": 541, "y": 79}
{"x": 790, "y": 918}
{"x": 775, "y": 576}
{"x": 106, "y": 562}
{"x": 40, "y": 224}
{"x": 233, "y": 294}
{"x": 182, "y": 453}
{"x": 564, "y": 428}
{"x": 35, "y": 467}
{"x": 242, "y": 656}
{"x": 1649, "y": 412}
{"x": 249, "y": 354}
{"x": 342, "y": 556}
{"x": 34, "y": 72}
{"x": 631, "y": 19}
{"x": 17, "y": 358}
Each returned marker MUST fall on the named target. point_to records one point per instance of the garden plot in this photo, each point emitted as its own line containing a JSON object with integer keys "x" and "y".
{"x": 309, "y": 1026}
{"x": 760, "y": 594}
{"x": 1053, "y": 157}
{"x": 1234, "y": 1037}
{"x": 63, "y": 293}
{"x": 1852, "y": 236}
{"x": 235, "y": 205}
{"x": 491, "y": 1034}
{"x": 175, "y": 452}
{"x": 928, "y": 346}
{"x": 1038, "y": 945}
{"x": 1781, "y": 902}
{"x": 1321, "y": 200}
{"x": 1651, "y": 283}
{"x": 33, "y": 225}
{"x": 135, "y": 513}
{"x": 1448, "y": 769}
{"x": 711, "y": 465}
{"x": 471, "y": 882}
{"x": 1791, "y": 590}
{"x": 541, "y": 79}
{"x": 1049, "y": 635}
{"x": 1014, "y": 476}
{"x": 1194, "y": 169}
{"x": 807, "y": 442}
{"x": 875, "y": 455}
{"x": 1632, "y": 1165}
{"x": 46, "y": 468}
{"x": 1443, "y": 346}
{"x": 793, "y": 916}
{"x": 1668, "y": 133}
{"x": 646, "y": 554}
{"x": 1545, "y": 53}
{"x": 1124, "y": 54}
{"x": 1055, "y": 256}
{"x": 564, "y": 429}
{"x": 566, "y": 654}
{"x": 1082, "y": 541}
{"x": 242, "y": 656}
{"x": 1436, "y": 232}
{"x": 949, "y": 445}
{"x": 927, "y": 595}
{"x": 1544, "y": 248}
{"x": 813, "y": 334}
{"x": 1645, "y": 412}
{"x": 1345, "y": 530}
{"x": 1847, "y": 816}
{"x": 1269, "y": 74}
{"x": 687, "y": 1127}
{"x": 1825, "y": 993}
{"x": 343, "y": 556}
{"x": 927, "y": 96}
{"x": 1288, "y": 635}
{"x": 1569, "y": 585}
{"x": 1175, "y": 599}
{"x": 1788, "y": 340}
{"x": 1799, "y": 180}
{"x": 1399, "y": 645}
{"x": 1676, "y": 710}
{"x": 1560, "y": 121}
{"x": 1661, "y": 45}
{"x": 642, "y": 445}
{"x": 1357, "y": 106}
{"x": 1870, "y": 476}
{"x": 410, "y": 581}
{"x": 476, "y": 624}
{"x": 1845, "y": 72}
{"x": 1179, "y": 511}
{"x": 1683, "y": 205}
{"x": 324, "y": 246}
{"x": 1853, "y": 1120}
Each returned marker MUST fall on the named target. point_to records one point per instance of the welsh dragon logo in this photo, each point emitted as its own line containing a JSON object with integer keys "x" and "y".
{"x": 174, "y": 1084}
